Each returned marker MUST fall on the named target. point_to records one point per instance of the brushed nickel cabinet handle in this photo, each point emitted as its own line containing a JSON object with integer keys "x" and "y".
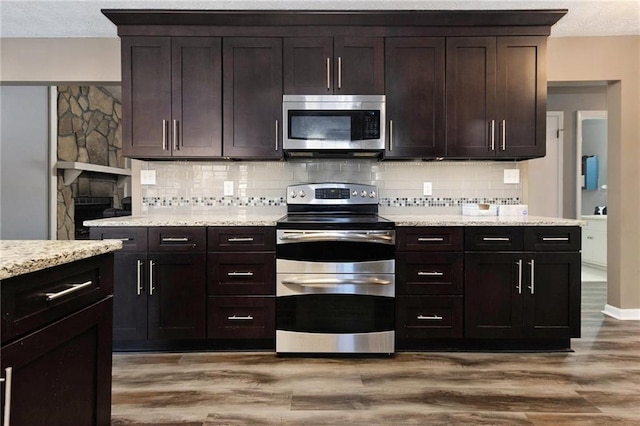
{"x": 430, "y": 274}
{"x": 175, "y": 239}
{"x": 72, "y": 289}
{"x": 244, "y": 318}
{"x": 519, "y": 263}
{"x": 504, "y": 135}
{"x": 390, "y": 135}
{"x": 240, "y": 239}
{"x": 328, "y": 73}
{"x": 164, "y": 135}
{"x": 339, "y": 72}
{"x": 240, "y": 274}
{"x": 124, "y": 240}
{"x": 429, "y": 317}
{"x": 139, "y": 275}
{"x": 7, "y": 396}
{"x": 555, "y": 238}
{"x": 533, "y": 276}
{"x": 430, "y": 239}
{"x": 176, "y": 138}
{"x": 151, "y": 286}
{"x": 493, "y": 135}
{"x": 277, "y": 135}
{"x": 496, "y": 239}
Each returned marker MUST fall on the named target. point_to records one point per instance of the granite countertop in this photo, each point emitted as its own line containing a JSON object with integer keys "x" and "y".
{"x": 247, "y": 219}
{"x": 19, "y": 257}
{"x": 460, "y": 220}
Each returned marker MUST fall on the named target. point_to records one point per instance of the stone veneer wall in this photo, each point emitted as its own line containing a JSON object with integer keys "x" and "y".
{"x": 89, "y": 131}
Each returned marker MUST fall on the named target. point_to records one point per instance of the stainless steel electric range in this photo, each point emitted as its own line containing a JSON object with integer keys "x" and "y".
{"x": 335, "y": 284}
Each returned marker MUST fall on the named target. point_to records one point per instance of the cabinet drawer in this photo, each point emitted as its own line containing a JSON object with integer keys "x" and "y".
{"x": 242, "y": 238}
{"x": 133, "y": 238}
{"x": 552, "y": 238}
{"x": 241, "y": 273}
{"x": 428, "y": 316}
{"x": 177, "y": 238}
{"x": 429, "y": 238}
{"x": 33, "y": 300}
{"x": 429, "y": 273}
{"x": 493, "y": 238}
{"x": 241, "y": 317}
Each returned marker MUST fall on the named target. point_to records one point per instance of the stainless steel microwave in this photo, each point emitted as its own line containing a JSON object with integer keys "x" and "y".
{"x": 338, "y": 125}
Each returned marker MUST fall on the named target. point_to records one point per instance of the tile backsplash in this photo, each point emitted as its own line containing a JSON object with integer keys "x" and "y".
{"x": 198, "y": 187}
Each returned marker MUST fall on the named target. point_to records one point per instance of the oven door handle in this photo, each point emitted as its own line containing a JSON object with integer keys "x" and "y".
{"x": 331, "y": 282}
{"x": 385, "y": 238}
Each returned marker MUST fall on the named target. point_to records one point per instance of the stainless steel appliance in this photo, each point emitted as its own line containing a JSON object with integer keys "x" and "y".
{"x": 333, "y": 125}
{"x": 335, "y": 279}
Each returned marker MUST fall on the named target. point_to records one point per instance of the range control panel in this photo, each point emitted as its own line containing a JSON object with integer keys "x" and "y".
{"x": 332, "y": 193}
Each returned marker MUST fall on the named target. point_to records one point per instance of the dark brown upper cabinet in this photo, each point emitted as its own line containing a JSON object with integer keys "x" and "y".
{"x": 252, "y": 93}
{"x": 334, "y": 65}
{"x": 415, "y": 82}
{"x": 496, "y": 97}
{"x": 171, "y": 97}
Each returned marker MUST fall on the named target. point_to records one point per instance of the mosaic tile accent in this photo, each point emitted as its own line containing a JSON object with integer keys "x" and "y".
{"x": 444, "y": 202}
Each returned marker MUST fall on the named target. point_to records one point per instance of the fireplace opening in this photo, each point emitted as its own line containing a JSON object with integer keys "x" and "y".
{"x": 88, "y": 208}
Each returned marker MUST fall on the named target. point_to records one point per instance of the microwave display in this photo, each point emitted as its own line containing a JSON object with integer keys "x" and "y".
{"x": 334, "y": 125}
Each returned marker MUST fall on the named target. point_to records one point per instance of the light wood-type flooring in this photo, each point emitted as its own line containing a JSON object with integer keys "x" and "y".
{"x": 597, "y": 384}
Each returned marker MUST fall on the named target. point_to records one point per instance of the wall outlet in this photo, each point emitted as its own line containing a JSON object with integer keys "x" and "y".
{"x": 147, "y": 177}
{"x": 228, "y": 187}
{"x": 512, "y": 176}
{"x": 427, "y": 188}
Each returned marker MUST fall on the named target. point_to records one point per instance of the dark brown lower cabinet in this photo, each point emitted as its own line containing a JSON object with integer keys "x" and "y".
{"x": 130, "y": 296}
{"x": 241, "y": 317}
{"x": 522, "y": 295}
{"x": 61, "y": 373}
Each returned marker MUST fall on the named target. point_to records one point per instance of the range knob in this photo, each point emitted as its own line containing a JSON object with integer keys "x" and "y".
{"x": 372, "y": 194}
{"x": 302, "y": 194}
{"x": 293, "y": 194}
{"x": 354, "y": 193}
{"x": 363, "y": 194}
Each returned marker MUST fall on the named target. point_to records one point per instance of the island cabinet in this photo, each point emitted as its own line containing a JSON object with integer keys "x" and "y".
{"x": 56, "y": 345}
{"x": 241, "y": 286}
{"x": 334, "y": 65}
{"x": 522, "y": 282}
{"x": 415, "y": 87}
{"x": 252, "y": 97}
{"x": 160, "y": 291}
{"x": 171, "y": 97}
{"x": 429, "y": 285}
{"x": 496, "y": 97}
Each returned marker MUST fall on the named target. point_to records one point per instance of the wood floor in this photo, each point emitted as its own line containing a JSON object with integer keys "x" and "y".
{"x": 598, "y": 384}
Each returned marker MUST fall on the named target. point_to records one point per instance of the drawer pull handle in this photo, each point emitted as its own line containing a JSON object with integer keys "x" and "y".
{"x": 7, "y": 396}
{"x": 240, "y": 239}
{"x": 245, "y": 318}
{"x": 240, "y": 274}
{"x": 175, "y": 239}
{"x": 430, "y": 317}
{"x": 72, "y": 289}
{"x": 124, "y": 240}
{"x": 555, "y": 238}
{"x": 496, "y": 239}
{"x": 430, "y": 239}
{"x": 430, "y": 274}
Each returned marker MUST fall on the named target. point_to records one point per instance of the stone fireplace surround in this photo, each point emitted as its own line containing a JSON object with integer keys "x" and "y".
{"x": 89, "y": 131}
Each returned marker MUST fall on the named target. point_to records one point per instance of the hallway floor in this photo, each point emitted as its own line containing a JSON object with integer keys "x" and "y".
{"x": 597, "y": 384}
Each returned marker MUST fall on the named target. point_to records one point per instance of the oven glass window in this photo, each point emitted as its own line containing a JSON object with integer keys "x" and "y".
{"x": 335, "y": 251}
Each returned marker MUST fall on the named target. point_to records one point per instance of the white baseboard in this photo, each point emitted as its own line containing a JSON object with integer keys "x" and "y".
{"x": 621, "y": 314}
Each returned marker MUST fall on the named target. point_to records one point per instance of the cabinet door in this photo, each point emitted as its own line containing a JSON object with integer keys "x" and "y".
{"x": 252, "y": 94}
{"x": 492, "y": 294}
{"x": 521, "y": 97}
{"x": 358, "y": 65}
{"x": 552, "y": 295}
{"x": 470, "y": 97}
{"x": 61, "y": 374}
{"x": 177, "y": 296}
{"x": 196, "y": 127}
{"x": 130, "y": 296}
{"x": 308, "y": 64}
{"x": 414, "y": 76}
{"x": 146, "y": 96}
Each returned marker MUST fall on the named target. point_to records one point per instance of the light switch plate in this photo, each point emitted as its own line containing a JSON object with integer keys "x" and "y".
{"x": 228, "y": 187}
{"x": 512, "y": 176}
{"x": 147, "y": 177}
{"x": 427, "y": 188}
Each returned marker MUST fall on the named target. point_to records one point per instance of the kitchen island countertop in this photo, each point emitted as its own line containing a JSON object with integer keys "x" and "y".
{"x": 248, "y": 219}
{"x": 19, "y": 257}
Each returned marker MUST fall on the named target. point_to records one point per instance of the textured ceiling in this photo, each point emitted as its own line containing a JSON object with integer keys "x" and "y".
{"x": 62, "y": 18}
